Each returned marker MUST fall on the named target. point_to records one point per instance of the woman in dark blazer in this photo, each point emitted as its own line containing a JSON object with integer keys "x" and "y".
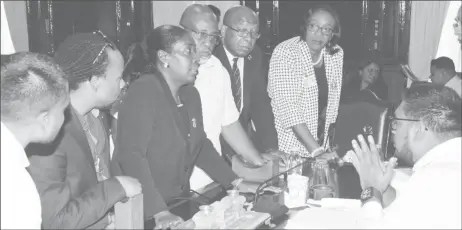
{"x": 160, "y": 134}
{"x": 368, "y": 78}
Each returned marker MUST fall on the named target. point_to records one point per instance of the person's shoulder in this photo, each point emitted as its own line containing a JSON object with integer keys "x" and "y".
{"x": 289, "y": 43}
{"x": 287, "y": 47}
{"x": 338, "y": 51}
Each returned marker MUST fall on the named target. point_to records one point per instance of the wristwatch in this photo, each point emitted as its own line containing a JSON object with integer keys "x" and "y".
{"x": 370, "y": 194}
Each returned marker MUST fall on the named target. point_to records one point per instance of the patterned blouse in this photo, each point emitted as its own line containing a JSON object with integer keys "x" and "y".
{"x": 293, "y": 90}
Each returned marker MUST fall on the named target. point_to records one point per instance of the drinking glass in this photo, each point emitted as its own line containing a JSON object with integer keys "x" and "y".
{"x": 323, "y": 183}
{"x": 295, "y": 159}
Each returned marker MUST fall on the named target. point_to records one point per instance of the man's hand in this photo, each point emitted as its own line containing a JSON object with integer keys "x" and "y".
{"x": 131, "y": 185}
{"x": 366, "y": 159}
{"x": 166, "y": 219}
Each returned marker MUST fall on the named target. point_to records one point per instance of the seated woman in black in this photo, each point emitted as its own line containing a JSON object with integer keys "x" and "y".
{"x": 368, "y": 78}
{"x": 160, "y": 132}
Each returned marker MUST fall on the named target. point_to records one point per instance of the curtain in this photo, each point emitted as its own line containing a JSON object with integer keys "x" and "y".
{"x": 427, "y": 19}
{"x": 169, "y": 12}
{"x": 449, "y": 46}
{"x": 7, "y": 43}
{"x": 14, "y": 27}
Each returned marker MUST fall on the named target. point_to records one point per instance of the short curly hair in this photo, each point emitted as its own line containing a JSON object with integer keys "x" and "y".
{"x": 438, "y": 107}
{"x": 31, "y": 83}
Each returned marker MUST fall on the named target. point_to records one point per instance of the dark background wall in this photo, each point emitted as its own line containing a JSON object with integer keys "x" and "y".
{"x": 290, "y": 19}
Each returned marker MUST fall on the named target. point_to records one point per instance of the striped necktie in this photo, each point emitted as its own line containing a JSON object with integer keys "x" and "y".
{"x": 236, "y": 85}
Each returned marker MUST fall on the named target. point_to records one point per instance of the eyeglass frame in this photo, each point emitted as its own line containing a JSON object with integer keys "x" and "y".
{"x": 393, "y": 120}
{"x": 239, "y": 33}
{"x": 109, "y": 43}
{"x": 319, "y": 28}
{"x": 203, "y": 35}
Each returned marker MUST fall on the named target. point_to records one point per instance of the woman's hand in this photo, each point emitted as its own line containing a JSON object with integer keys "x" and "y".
{"x": 166, "y": 220}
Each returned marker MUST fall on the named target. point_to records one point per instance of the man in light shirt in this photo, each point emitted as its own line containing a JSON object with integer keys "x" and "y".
{"x": 427, "y": 135}
{"x": 34, "y": 95}
{"x": 213, "y": 83}
{"x": 443, "y": 72}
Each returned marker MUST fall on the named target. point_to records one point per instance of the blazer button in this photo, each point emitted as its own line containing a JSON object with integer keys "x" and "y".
{"x": 186, "y": 169}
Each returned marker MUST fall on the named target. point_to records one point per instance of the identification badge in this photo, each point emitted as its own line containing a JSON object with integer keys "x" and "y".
{"x": 309, "y": 81}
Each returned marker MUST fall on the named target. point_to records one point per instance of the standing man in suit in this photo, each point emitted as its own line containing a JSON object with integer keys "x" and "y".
{"x": 72, "y": 174}
{"x": 213, "y": 84}
{"x": 243, "y": 60}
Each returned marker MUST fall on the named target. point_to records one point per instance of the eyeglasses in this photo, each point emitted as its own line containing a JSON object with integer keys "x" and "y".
{"x": 203, "y": 36}
{"x": 393, "y": 120}
{"x": 108, "y": 42}
{"x": 245, "y": 33}
{"x": 315, "y": 28}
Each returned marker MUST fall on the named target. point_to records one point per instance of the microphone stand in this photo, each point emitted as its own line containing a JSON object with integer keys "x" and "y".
{"x": 265, "y": 183}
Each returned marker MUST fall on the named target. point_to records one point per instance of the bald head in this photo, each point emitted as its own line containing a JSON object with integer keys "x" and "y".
{"x": 197, "y": 13}
{"x": 240, "y": 14}
{"x": 201, "y": 22}
{"x": 240, "y": 30}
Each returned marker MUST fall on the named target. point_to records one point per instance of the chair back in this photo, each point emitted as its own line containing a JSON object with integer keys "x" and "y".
{"x": 367, "y": 115}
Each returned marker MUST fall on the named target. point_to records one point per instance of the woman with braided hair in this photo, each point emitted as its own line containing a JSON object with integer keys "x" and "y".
{"x": 72, "y": 174}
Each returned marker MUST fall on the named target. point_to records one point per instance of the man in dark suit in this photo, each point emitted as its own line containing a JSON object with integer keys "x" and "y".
{"x": 72, "y": 174}
{"x": 243, "y": 60}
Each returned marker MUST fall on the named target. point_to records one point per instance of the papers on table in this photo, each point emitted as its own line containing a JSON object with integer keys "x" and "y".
{"x": 331, "y": 213}
{"x": 324, "y": 218}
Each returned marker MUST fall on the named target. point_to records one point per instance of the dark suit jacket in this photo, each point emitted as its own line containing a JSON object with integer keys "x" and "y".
{"x": 257, "y": 105}
{"x": 66, "y": 180}
{"x": 155, "y": 145}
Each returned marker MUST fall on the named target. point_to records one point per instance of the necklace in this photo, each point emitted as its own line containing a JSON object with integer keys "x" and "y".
{"x": 319, "y": 59}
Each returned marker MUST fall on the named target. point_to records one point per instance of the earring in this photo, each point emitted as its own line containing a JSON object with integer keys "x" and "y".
{"x": 165, "y": 65}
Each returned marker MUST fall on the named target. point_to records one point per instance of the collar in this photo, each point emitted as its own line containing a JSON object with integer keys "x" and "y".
{"x": 230, "y": 56}
{"x": 11, "y": 148}
{"x": 453, "y": 80}
{"x": 82, "y": 120}
{"x": 211, "y": 62}
{"x": 448, "y": 151}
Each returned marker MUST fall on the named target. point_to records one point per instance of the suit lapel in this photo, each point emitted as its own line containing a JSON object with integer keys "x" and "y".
{"x": 249, "y": 74}
{"x": 174, "y": 110}
{"x": 220, "y": 53}
{"x": 77, "y": 131}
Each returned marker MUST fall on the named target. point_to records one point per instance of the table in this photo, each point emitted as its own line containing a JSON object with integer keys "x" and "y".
{"x": 348, "y": 186}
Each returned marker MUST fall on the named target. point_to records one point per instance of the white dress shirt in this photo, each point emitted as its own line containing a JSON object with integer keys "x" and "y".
{"x": 431, "y": 199}
{"x": 240, "y": 66}
{"x": 218, "y": 108}
{"x": 21, "y": 208}
{"x": 456, "y": 84}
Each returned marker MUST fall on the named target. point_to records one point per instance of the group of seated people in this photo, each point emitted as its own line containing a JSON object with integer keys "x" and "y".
{"x": 95, "y": 138}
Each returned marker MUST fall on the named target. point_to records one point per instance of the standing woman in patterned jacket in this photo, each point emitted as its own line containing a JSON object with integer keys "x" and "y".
{"x": 304, "y": 83}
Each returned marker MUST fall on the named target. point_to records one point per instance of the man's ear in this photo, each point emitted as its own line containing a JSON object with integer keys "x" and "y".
{"x": 44, "y": 119}
{"x": 163, "y": 56}
{"x": 223, "y": 31}
{"x": 418, "y": 131}
{"x": 94, "y": 82}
